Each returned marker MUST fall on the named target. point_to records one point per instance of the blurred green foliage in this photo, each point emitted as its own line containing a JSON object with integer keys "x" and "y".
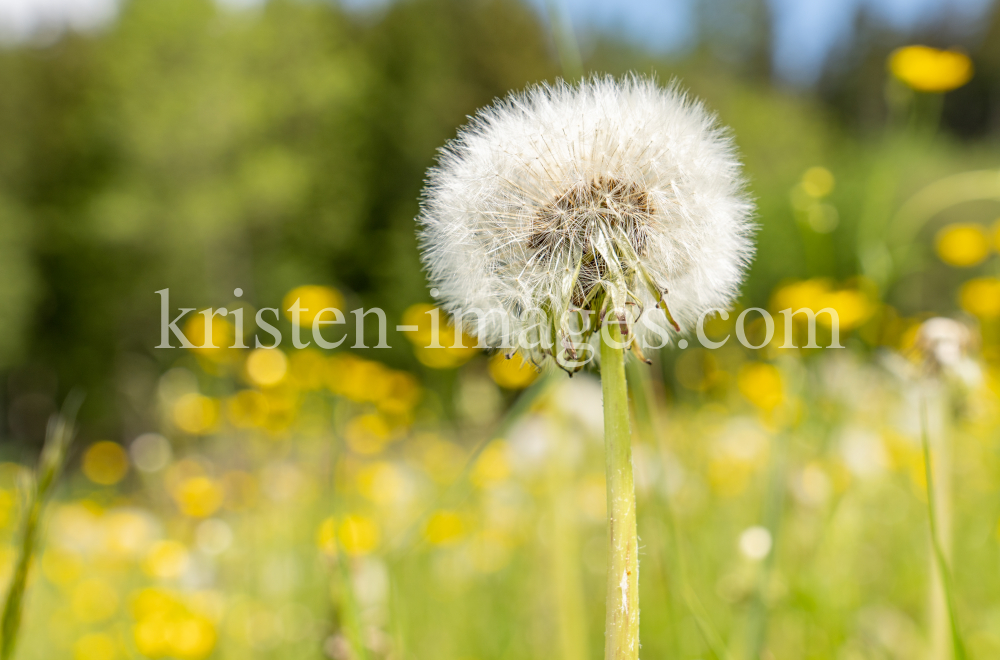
{"x": 203, "y": 149}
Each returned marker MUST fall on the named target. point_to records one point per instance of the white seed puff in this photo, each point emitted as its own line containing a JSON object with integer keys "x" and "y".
{"x": 613, "y": 196}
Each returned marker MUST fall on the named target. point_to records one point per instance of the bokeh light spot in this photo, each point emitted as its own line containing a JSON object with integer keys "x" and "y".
{"x": 105, "y": 463}
{"x": 761, "y": 384}
{"x": 513, "y": 373}
{"x": 266, "y": 366}
{"x": 358, "y": 535}
{"x": 928, "y": 69}
{"x": 981, "y": 297}
{"x": 95, "y": 646}
{"x": 444, "y": 528}
{"x": 962, "y": 245}
{"x": 312, "y": 300}
{"x": 150, "y": 452}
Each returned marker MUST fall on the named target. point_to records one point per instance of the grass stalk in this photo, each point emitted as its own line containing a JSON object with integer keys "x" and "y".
{"x": 773, "y": 507}
{"x": 958, "y": 645}
{"x": 675, "y": 573}
{"x": 622, "y": 619}
{"x": 566, "y": 45}
{"x": 353, "y": 623}
{"x": 58, "y": 436}
{"x": 564, "y": 555}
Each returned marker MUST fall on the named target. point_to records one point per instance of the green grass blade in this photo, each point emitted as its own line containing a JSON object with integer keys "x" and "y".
{"x": 958, "y": 644}
{"x": 58, "y": 436}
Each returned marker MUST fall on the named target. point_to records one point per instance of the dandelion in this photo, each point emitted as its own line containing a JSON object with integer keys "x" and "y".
{"x": 511, "y": 374}
{"x": 942, "y": 346}
{"x": 962, "y": 245}
{"x": 605, "y": 196}
{"x": 358, "y": 535}
{"x": 266, "y": 366}
{"x": 981, "y": 297}
{"x": 610, "y": 200}
{"x": 312, "y": 300}
{"x": 761, "y": 384}
{"x": 927, "y": 69}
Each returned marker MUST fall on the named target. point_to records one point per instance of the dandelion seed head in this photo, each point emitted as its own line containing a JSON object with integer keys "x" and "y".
{"x": 943, "y": 346}
{"x": 609, "y": 196}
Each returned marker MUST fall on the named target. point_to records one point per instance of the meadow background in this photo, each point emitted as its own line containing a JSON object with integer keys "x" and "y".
{"x": 443, "y": 504}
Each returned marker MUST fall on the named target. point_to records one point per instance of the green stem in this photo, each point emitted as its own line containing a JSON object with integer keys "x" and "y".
{"x": 566, "y": 45}
{"x": 353, "y": 625}
{"x": 58, "y": 436}
{"x": 11, "y": 619}
{"x": 958, "y": 645}
{"x": 773, "y": 507}
{"x": 569, "y": 599}
{"x": 621, "y": 637}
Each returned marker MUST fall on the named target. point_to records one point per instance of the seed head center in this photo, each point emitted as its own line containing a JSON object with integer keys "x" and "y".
{"x": 619, "y": 208}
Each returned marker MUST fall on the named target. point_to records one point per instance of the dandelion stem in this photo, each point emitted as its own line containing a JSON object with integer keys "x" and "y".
{"x": 622, "y": 620}
{"x": 958, "y": 645}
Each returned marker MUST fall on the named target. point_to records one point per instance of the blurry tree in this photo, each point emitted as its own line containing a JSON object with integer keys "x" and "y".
{"x": 203, "y": 149}
{"x": 437, "y": 61}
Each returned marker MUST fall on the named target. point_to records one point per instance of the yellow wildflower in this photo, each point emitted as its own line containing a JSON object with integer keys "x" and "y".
{"x": 105, "y": 463}
{"x": 381, "y": 482}
{"x": 211, "y": 338}
{"x": 761, "y": 384}
{"x": 95, "y": 646}
{"x": 326, "y": 537}
{"x": 196, "y": 414}
{"x": 512, "y": 374}
{"x": 367, "y": 434}
{"x": 358, "y": 535}
{"x": 192, "y": 638}
{"x": 981, "y": 297}
{"x": 928, "y": 69}
{"x": 853, "y": 306}
{"x": 962, "y": 244}
{"x": 445, "y": 354}
{"x": 312, "y": 300}
{"x": 198, "y": 497}
{"x": 307, "y": 368}
{"x": 266, "y": 366}
{"x": 166, "y": 559}
{"x": 444, "y": 528}
{"x": 94, "y": 600}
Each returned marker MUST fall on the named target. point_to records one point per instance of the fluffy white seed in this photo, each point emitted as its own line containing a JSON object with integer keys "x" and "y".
{"x": 609, "y": 195}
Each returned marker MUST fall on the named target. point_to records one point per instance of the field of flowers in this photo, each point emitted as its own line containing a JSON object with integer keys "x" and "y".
{"x": 301, "y": 503}
{"x": 794, "y": 501}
